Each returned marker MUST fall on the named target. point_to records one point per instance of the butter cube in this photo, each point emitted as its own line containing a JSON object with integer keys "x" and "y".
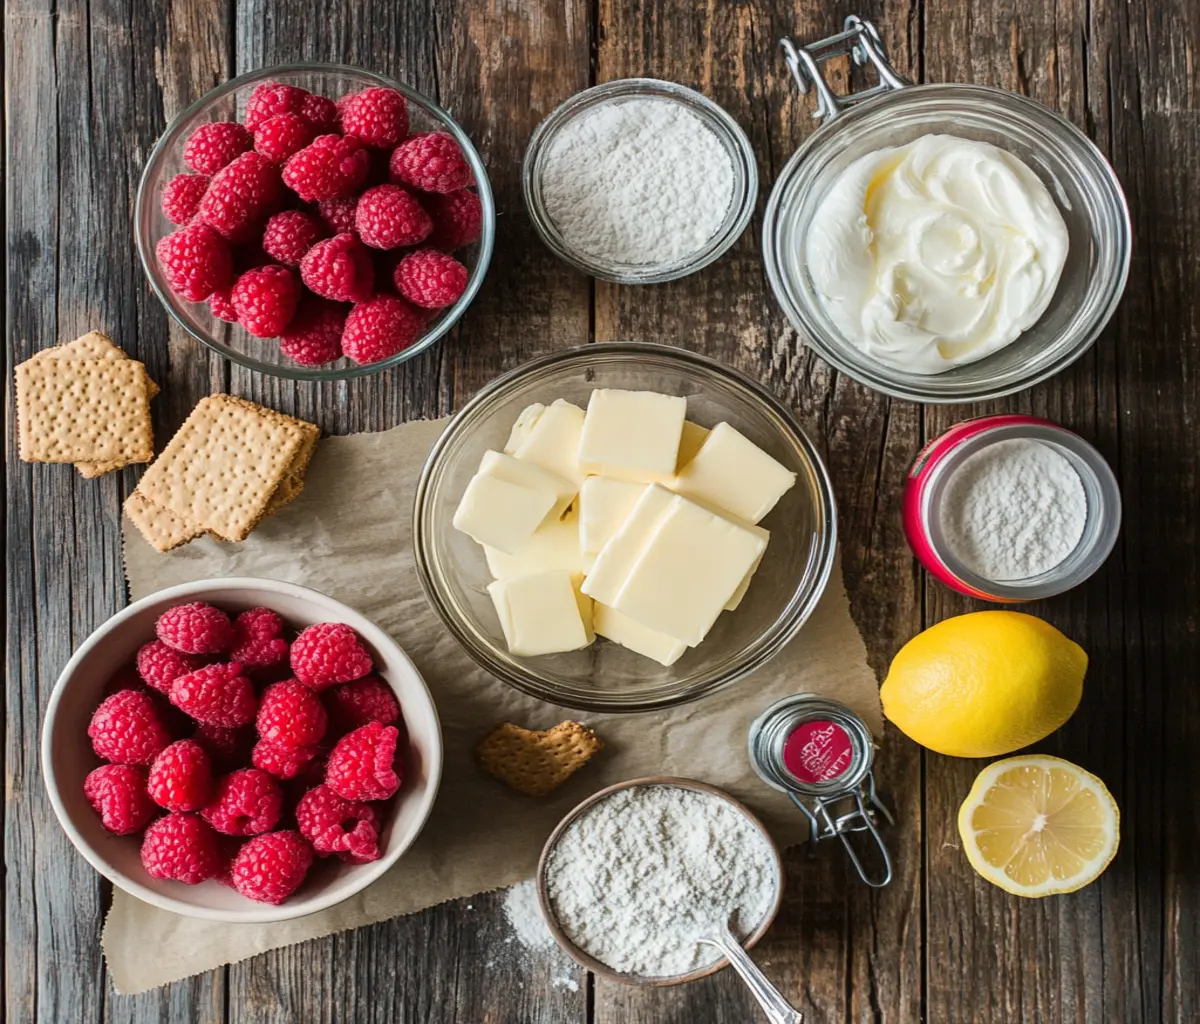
{"x": 542, "y": 613}
{"x": 604, "y": 504}
{"x": 527, "y": 474}
{"x": 692, "y": 564}
{"x": 551, "y": 439}
{"x": 690, "y": 440}
{"x": 554, "y": 545}
{"x": 733, "y": 473}
{"x": 621, "y": 629}
{"x": 617, "y": 558}
{"x": 523, "y": 427}
{"x": 501, "y": 514}
{"x": 733, "y": 602}
{"x": 632, "y": 431}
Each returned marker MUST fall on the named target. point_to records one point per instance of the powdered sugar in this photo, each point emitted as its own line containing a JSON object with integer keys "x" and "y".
{"x": 525, "y": 916}
{"x": 638, "y": 878}
{"x": 637, "y": 181}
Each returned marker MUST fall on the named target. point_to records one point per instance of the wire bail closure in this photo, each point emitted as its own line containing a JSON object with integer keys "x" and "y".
{"x": 860, "y": 40}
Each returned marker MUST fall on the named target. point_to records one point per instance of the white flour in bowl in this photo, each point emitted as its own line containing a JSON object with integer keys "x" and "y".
{"x": 641, "y": 875}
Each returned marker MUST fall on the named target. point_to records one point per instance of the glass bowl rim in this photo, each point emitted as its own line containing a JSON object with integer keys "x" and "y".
{"x": 301, "y": 373}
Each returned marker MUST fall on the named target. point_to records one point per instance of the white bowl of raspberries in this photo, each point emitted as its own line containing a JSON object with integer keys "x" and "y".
{"x": 315, "y": 221}
{"x": 241, "y": 750}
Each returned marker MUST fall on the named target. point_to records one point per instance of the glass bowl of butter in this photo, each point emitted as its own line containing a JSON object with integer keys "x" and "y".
{"x": 623, "y": 527}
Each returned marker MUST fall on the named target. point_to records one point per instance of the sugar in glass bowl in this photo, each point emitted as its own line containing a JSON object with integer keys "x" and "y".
{"x": 605, "y": 676}
{"x": 226, "y": 103}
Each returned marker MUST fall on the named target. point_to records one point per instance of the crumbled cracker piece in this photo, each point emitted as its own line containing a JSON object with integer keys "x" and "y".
{"x": 537, "y": 761}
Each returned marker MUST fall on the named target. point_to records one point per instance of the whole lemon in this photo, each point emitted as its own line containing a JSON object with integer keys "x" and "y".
{"x": 984, "y": 684}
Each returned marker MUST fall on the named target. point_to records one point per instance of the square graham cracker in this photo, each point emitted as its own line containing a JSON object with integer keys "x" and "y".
{"x": 162, "y": 528}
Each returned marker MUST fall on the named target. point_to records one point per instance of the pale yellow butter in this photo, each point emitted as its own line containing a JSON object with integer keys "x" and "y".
{"x": 621, "y": 629}
{"x": 618, "y": 556}
{"x": 554, "y": 545}
{"x": 690, "y": 440}
{"x": 523, "y": 427}
{"x": 733, "y": 473}
{"x": 542, "y": 613}
{"x": 551, "y": 439}
{"x": 531, "y": 475}
{"x": 501, "y": 514}
{"x": 604, "y": 504}
{"x": 627, "y": 432}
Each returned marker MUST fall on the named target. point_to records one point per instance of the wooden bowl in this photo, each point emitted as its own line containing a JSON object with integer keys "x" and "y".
{"x": 603, "y": 970}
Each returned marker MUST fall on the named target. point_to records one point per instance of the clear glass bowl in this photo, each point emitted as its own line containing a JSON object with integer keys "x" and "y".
{"x": 228, "y": 102}
{"x": 1075, "y": 173}
{"x": 605, "y": 676}
{"x": 724, "y": 127}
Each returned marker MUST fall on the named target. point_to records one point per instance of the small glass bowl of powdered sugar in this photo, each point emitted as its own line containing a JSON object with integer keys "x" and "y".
{"x": 1011, "y": 508}
{"x": 639, "y": 181}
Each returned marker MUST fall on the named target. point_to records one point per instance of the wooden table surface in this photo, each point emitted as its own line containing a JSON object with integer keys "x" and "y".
{"x": 89, "y": 87}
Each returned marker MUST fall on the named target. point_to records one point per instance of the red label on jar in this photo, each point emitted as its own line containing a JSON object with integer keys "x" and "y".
{"x": 817, "y": 751}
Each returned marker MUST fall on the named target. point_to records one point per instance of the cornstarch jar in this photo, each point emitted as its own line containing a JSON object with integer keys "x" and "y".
{"x": 1011, "y": 508}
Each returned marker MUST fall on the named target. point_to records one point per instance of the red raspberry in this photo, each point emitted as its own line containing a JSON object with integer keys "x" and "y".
{"x": 280, "y": 761}
{"x": 291, "y": 715}
{"x": 246, "y": 803}
{"x": 327, "y": 653}
{"x": 331, "y": 165}
{"x": 181, "y": 196}
{"x": 117, "y": 792}
{"x": 377, "y": 116}
{"x": 181, "y": 777}
{"x": 380, "y": 327}
{"x": 227, "y": 747}
{"x": 258, "y": 639}
{"x": 221, "y": 305}
{"x": 338, "y": 268}
{"x": 127, "y": 728}
{"x": 265, "y": 300}
{"x": 338, "y": 213}
{"x": 181, "y": 847}
{"x": 332, "y": 824}
{"x": 270, "y": 868}
{"x": 281, "y": 135}
{"x": 321, "y": 113}
{"x": 160, "y": 665}
{"x": 241, "y": 196}
{"x": 195, "y": 628}
{"x": 388, "y": 217}
{"x": 457, "y": 219}
{"x": 364, "y": 764}
{"x": 289, "y": 235}
{"x": 430, "y": 278}
{"x": 195, "y": 260}
{"x": 432, "y": 162}
{"x": 273, "y": 98}
{"x": 213, "y": 146}
{"x": 365, "y": 700}
{"x": 315, "y": 334}
{"x": 219, "y": 694}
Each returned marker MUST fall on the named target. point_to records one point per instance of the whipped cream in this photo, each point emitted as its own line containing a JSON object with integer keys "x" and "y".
{"x": 937, "y": 253}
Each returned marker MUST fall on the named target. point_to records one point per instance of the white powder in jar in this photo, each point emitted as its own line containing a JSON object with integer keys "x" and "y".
{"x": 640, "y": 876}
{"x": 638, "y": 181}
{"x": 1013, "y": 510}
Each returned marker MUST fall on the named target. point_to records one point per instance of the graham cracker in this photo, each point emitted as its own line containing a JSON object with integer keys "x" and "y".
{"x": 162, "y": 528}
{"x": 537, "y": 761}
{"x": 83, "y": 410}
{"x": 288, "y": 490}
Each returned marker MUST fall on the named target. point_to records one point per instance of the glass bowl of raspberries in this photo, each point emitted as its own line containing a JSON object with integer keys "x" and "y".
{"x": 315, "y": 221}
{"x": 241, "y": 750}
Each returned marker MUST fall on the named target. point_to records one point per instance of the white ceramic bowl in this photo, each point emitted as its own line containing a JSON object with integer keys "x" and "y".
{"x": 67, "y": 754}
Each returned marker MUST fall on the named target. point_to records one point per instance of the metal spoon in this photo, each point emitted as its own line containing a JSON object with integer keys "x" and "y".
{"x": 777, "y": 1009}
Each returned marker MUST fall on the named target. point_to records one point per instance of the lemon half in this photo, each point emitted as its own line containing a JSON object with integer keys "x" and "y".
{"x": 1039, "y": 825}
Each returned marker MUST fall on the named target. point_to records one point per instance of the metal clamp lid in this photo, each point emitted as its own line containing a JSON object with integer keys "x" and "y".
{"x": 860, "y": 40}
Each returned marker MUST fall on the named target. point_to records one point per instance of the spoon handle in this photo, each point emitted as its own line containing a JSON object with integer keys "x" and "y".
{"x": 777, "y": 1009}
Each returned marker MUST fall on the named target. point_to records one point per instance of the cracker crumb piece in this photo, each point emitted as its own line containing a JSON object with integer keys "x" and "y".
{"x": 536, "y": 762}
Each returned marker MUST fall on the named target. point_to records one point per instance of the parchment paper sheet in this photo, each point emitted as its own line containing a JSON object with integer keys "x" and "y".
{"x": 348, "y": 535}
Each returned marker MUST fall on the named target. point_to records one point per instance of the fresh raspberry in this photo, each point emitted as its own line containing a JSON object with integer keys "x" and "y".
{"x": 365, "y": 700}
{"x": 289, "y": 235}
{"x": 457, "y": 219}
{"x": 378, "y": 116}
{"x": 331, "y": 165}
{"x": 213, "y": 146}
{"x": 245, "y": 803}
{"x": 291, "y": 714}
{"x": 221, "y": 305}
{"x": 160, "y": 665}
{"x": 219, "y": 694}
{"x": 280, "y": 761}
{"x": 388, "y": 217}
{"x": 314, "y": 336}
{"x": 273, "y": 98}
{"x": 270, "y": 868}
{"x": 181, "y": 777}
{"x": 380, "y": 327}
{"x": 258, "y": 640}
{"x": 181, "y": 196}
{"x": 321, "y": 113}
{"x": 281, "y": 135}
{"x": 117, "y": 792}
{"x": 327, "y": 653}
{"x": 195, "y": 260}
{"x": 431, "y": 162}
{"x": 241, "y": 196}
{"x": 181, "y": 847}
{"x": 195, "y": 628}
{"x": 127, "y": 728}
{"x": 333, "y": 824}
{"x": 338, "y": 268}
{"x": 430, "y": 278}
{"x": 364, "y": 763}
{"x": 265, "y": 300}
{"x": 338, "y": 213}
{"x": 124, "y": 678}
{"x": 227, "y": 747}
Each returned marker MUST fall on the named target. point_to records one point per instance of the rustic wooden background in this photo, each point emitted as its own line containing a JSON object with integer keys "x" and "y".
{"x": 88, "y": 88}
